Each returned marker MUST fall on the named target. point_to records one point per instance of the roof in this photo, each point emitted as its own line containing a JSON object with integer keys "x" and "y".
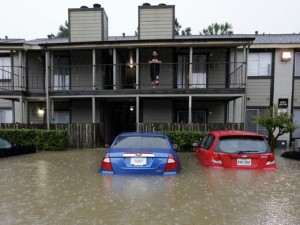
{"x": 223, "y": 133}
{"x": 147, "y": 134}
{"x": 12, "y": 41}
{"x": 277, "y": 39}
{"x": 259, "y": 39}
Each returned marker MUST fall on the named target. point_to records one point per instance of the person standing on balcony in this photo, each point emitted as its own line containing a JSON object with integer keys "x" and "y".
{"x": 154, "y": 69}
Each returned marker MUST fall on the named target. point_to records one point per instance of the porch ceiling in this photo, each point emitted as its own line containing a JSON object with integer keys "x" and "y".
{"x": 203, "y": 95}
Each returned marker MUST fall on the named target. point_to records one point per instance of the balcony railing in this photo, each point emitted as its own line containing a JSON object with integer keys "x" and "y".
{"x": 213, "y": 75}
{"x": 12, "y": 78}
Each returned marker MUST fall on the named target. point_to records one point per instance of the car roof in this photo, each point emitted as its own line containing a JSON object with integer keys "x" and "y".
{"x": 223, "y": 133}
{"x": 152, "y": 134}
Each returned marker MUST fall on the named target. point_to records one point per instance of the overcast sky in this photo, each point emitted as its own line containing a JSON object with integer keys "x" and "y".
{"x": 31, "y": 19}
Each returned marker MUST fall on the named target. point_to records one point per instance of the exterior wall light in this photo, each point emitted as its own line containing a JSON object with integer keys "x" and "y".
{"x": 41, "y": 112}
{"x": 131, "y": 108}
{"x": 286, "y": 56}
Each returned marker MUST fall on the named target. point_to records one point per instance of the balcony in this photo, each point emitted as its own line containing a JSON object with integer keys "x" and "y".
{"x": 213, "y": 77}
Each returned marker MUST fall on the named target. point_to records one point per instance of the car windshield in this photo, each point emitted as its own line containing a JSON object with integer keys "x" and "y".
{"x": 141, "y": 142}
{"x": 242, "y": 145}
{"x": 4, "y": 144}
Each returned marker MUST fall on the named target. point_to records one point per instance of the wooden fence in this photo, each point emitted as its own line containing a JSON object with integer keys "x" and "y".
{"x": 87, "y": 135}
{"x": 91, "y": 135}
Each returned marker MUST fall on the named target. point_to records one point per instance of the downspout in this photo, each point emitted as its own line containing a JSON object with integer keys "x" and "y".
{"x": 137, "y": 111}
{"x": 246, "y": 53}
{"x": 114, "y": 69}
{"x": 13, "y": 84}
{"x": 190, "y": 109}
{"x": 293, "y": 93}
{"x": 94, "y": 88}
{"x": 94, "y": 69}
{"x": 47, "y": 56}
{"x": 187, "y": 83}
{"x": 20, "y": 71}
{"x": 12, "y": 70}
{"x": 137, "y": 70}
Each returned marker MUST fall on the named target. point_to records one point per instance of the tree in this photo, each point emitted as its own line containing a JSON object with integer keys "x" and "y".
{"x": 186, "y": 31}
{"x": 177, "y": 27}
{"x": 218, "y": 29}
{"x": 63, "y": 30}
{"x": 277, "y": 124}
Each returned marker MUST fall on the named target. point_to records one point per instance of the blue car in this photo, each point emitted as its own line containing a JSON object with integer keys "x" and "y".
{"x": 147, "y": 153}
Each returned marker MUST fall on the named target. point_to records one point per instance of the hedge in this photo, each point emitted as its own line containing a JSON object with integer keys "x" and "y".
{"x": 185, "y": 139}
{"x": 49, "y": 140}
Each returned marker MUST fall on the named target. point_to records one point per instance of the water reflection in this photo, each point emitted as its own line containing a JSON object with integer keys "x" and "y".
{"x": 67, "y": 188}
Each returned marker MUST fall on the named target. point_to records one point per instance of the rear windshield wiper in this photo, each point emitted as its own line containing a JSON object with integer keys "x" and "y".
{"x": 243, "y": 152}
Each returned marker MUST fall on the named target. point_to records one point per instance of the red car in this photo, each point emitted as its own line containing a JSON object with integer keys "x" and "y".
{"x": 235, "y": 149}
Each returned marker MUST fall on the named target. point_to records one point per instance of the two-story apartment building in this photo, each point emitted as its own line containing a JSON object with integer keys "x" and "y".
{"x": 92, "y": 77}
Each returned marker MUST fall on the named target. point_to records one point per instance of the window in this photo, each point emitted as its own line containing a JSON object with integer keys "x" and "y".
{"x": 198, "y": 116}
{"x": 144, "y": 142}
{"x": 198, "y": 77}
{"x": 250, "y": 126}
{"x": 61, "y": 117}
{"x": 296, "y": 133}
{"x": 5, "y": 68}
{"x": 61, "y": 73}
{"x": 6, "y": 116}
{"x": 4, "y": 144}
{"x": 207, "y": 141}
{"x": 242, "y": 144}
{"x": 260, "y": 64}
{"x": 297, "y": 64}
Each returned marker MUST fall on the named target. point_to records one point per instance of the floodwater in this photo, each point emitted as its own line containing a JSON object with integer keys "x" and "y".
{"x": 67, "y": 188}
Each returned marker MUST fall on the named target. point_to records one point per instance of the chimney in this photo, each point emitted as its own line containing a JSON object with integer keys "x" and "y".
{"x": 156, "y": 21}
{"x": 88, "y": 24}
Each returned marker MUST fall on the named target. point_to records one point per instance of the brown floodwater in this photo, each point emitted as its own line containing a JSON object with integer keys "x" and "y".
{"x": 67, "y": 188}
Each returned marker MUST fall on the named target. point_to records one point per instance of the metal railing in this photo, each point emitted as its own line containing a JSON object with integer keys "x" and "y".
{"x": 212, "y": 75}
{"x": 12, "y": 78}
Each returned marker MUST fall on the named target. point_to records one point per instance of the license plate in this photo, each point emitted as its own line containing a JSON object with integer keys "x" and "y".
{"x": 244, "y": 162}
{"x": 138, "y": 161}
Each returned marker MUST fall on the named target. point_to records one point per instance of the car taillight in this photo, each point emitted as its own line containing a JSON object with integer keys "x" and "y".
{"x": 216, "y": 159}
{"x": 270, "y": 160}
{"x": 106, "y": 164}
{"x": 172, "y": 164}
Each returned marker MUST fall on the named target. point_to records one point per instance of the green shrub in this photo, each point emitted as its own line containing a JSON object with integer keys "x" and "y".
{"x": 185, "y": 139}
{"x": 49, "y": 140}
